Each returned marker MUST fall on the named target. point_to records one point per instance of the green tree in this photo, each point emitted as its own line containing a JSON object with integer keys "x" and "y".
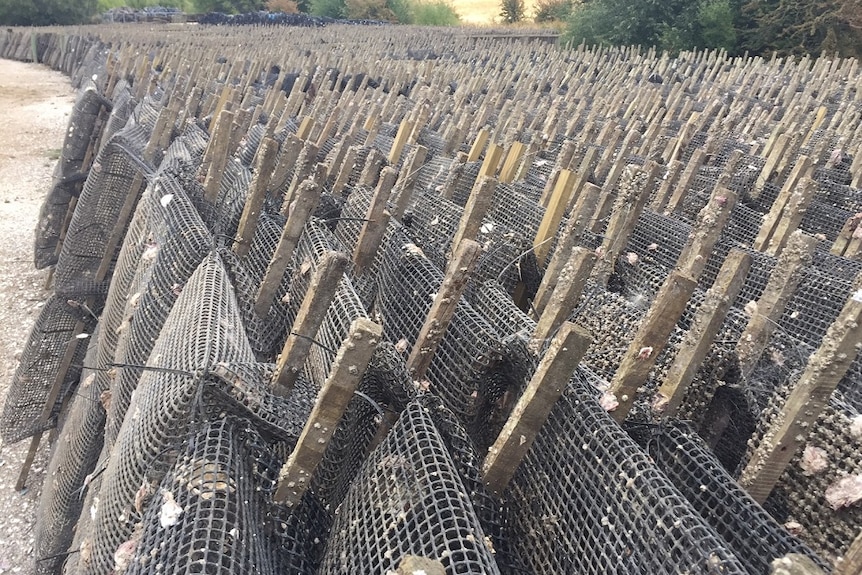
{"x": 669, "y": 24}
{"x": 435, "y": 13}
{"x": 46, "y": 12}
{"x": 512, "y": 11}
{"x": 553, "y": 10}
{"x": 229, "y": 6}
{"x": 791, "y": 27}
{"x": 329, "y": 8}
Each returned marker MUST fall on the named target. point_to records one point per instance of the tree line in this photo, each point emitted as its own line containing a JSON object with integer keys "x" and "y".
{"x": 64, "y": 12}
{"x": 758, "y": 27}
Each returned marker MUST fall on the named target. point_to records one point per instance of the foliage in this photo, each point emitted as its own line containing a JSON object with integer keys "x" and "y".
{"x": 184, "y": 5}
{"x": 801, "y": 26}
{"x": 369, "y": 10}
{"x": 762, "y": 27}
{"x": 553, "y": 10}
{"x": 435, "y": 13}
{"x": 46, "y": 12}
{"x": 228, "y": 6}
{"x": 715, "y": 23}
{"x": 286, "y": 6}
{"x": 329, "y": 8}
{"x": 512, "y": 11}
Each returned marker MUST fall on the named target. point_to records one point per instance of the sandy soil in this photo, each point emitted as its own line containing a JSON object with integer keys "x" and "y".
{"x": 35, "y": 104}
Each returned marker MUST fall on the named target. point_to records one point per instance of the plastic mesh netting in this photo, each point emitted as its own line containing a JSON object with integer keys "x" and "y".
{"x": 408, "y": 499}
{"x": 588, "y": 500}
{"x": 69, "y": 176}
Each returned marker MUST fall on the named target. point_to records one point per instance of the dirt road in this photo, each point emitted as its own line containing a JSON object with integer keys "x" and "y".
{"x": 35, "y": 104}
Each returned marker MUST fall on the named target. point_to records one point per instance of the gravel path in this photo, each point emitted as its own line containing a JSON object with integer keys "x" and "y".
{"x": 35, "y": 104}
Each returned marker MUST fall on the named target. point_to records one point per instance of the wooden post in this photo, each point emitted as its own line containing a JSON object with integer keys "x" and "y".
{"x": 376, "y": 220}
{"x": 264, "y": 165}
{"x": 791, "y": 216}
{"x": 478, "y": 145}
{"x": 534, "y": 406}
{"x": 513, "y": 160}
{"x": 685, "y": 181}
{"x": 630, "y": 202}
{"x": 323, "y": 287}
{"x": 650, "y": 339}
{"x": 550, "y": 223}
{"x": 850, "y": 234}
{"x": 445, "y": 303}
{"x": 332, "y": 400}
{"x": 290, "y": 150}
{"x": 373, "y": 164}
{"x": 783, "y": 281}
{"x": 564, "y": 159}
{"x": 306, "y": 202}
{"x": 407, "y": 180}
{"x": 578, "y": 223}
{"x": 404, "y": 130}
{"x": 704, "y": 327}
{"x": 304, "y": 129}
{"x": 346, "y": 170}
{"x": 851, "y": 562}
{"x": 302, "y": 170}
{"x": 215, "y": 157}
{"x": 825, "y": 369}
{"x": 493, "y": 155}
{"x": 775, "y": 155}
{"x": 570, "y": 284}
{"x": 475, "y": 210}
{"x": 780, "y": 207}
{"x": 706, "y": 232}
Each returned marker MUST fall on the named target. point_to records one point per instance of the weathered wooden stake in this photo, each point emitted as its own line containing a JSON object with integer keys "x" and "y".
{"x": 550, "y": 223}
{"x": 783, "y": 281}
{"x": 578, "y": 223}
{"x": 825, "y": 369}
{"x": 347, "y": 370}
{"x": 650, "y": 340}
{"x": 445, "y": 302}
{"x": 849, "y": 236}
{"x": 513, "y": 160}
{"x": 216, "y": 155}
{"x": 570, "y": 284}
{"x": 706, "y": 232}
{"x": 306, "y": 201}
{"x": 374, "y": 228}
{"x": 534, "y": 406}
{"x": 263, "y": 169}
{"x": 685, "y": 181}
{"x": 407, "y": 180}
{"x": 475, "y": 210}
{"x": 851, "y": 562}
{"x": 404, "y": 131}
{"x": 628, "y": 206}
{"x": 704, "y": 327}
{"x": 493, "y": 155}
{"x": 322, "y": 288}
{"x": 780, "y": 207}
{"x": 478, "y": 146}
